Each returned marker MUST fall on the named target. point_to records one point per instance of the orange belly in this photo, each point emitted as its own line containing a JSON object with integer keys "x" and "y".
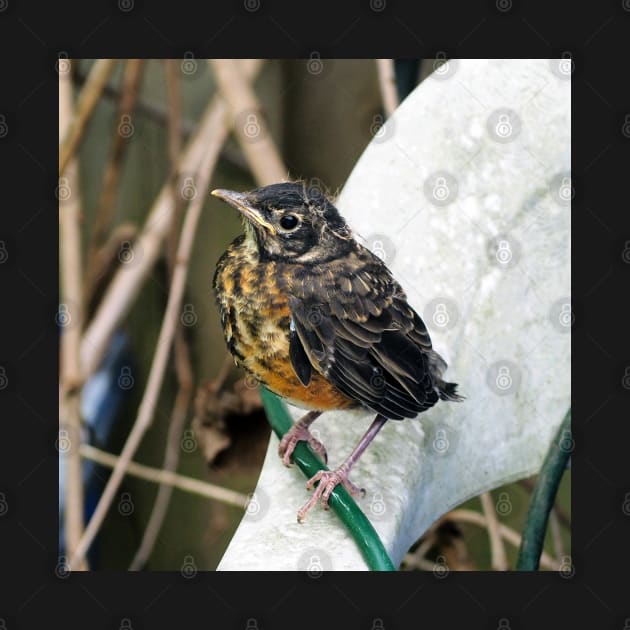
{"x": 319, "y": 395}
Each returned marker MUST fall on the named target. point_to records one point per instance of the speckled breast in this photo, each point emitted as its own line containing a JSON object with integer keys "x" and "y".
{"x": 256, "y": 321}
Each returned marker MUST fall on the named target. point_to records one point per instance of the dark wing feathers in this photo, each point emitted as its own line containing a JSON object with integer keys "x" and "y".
{"x": 299, "y": 359}
{"x": 355, "y": 326}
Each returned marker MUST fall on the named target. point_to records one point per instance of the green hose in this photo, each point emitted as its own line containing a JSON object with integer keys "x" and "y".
{"x": 543, "y": 498}
{"x": 340, "y": 500}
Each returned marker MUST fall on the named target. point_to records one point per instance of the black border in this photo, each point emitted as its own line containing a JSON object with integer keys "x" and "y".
{"x": 33, "y": 36}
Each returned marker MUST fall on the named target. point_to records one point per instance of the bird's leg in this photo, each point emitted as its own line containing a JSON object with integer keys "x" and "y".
{"x": 328, "y": 479}
{"x": 299, "y": 433}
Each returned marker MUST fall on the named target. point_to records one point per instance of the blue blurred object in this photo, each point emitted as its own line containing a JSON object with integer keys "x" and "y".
{"x": 101, "y": 402}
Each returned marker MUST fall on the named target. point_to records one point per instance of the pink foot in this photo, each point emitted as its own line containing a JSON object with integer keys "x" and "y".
{"x": 297, "y": 434}
{"x": 328, "y": 480}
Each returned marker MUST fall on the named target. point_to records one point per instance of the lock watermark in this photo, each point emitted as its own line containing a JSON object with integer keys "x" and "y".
{"x": 188, "y": 442}
{"x": 504, "y": 251}
{"x": 314, "y": 561}
{"x": 441, "y": 188}
{"x": 126, "y": 6}
{"x": 188, "y": 317}
{"x": 381, "y": 129}
{"x": 504, "y": 377}
{"x": 126, "y": 380}
{"x": 440, "y": 568}
{"x": 4, "y": 253}
{"x": 566, "y": 568}
{"x": 126, "y": 127}
{"x": 314, "y": 64}
{"x": 561, "y": 189}
{"x": 129, "y": 253}
{"x": 257, "y": 505}
{"x": 378, "y": 506}
{"x": 378, "y": 6}
{"x": 187, "y": 189}
{"x": 189, "y": 64}
{"x": 63, "y": 317}
{"x": 440, "y": 439}
{"x": 62, "y": 65}
{"x": 4, "y": 506}
{"x": 65, "y": 440}
{"x": 4, "y": 127}
{"x": 561, "y": 315}
{"x": 503, "y": 506}
{"x": 62, "y": 568}
{"x": 382, "y": 246}
{"x": 63, "y": 191}
{"x": 251, "y": 124}
{"x": 504, "y": 125}
{"x": 443, "y": 68}
{"x": 188, "y": 568}
{"x": 441, "y": 314}
{"x": 562, "y": 67}
{"x": 125, "y": 504}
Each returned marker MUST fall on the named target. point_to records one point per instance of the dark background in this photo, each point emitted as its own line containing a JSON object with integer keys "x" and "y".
{"x": 595, "y": 594}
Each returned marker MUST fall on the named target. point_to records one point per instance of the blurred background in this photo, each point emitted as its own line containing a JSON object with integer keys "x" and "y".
{"x": 125, "y": 182}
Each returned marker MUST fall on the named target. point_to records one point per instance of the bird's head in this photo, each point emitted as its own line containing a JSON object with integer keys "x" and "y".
{"x": 291, "y": 222}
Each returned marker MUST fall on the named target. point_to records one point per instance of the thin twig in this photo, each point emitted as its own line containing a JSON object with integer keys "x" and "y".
{"x": 128, "y": 280}
{"x": 160, "y": 358}
{"x": 183, "y": 367}
{"x": 497, "y": 549}
{"x": 72, "y": 302}
{"x": 156, "y": 475}
{"x": 174, "y": 154}
{"x": 130, "y": 86}
{"x": 158, "y": 113}
{"x": 387, "y": 83}
{"x": 511, "y": 536}
{"x": 249, "y": 125}
{"x": 419, "y": 562}
{"x": 90, "y": 94}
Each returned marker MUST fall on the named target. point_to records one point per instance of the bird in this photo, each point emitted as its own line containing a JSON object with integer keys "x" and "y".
{"x": 319, "y": 320}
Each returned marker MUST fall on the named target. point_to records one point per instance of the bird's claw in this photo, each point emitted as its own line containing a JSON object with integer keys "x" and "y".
{"x": 328, "y": 481}
{"x": 299, "y": 434}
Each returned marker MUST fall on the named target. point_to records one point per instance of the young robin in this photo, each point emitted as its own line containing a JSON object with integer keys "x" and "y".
{"x": 319, "y": 320}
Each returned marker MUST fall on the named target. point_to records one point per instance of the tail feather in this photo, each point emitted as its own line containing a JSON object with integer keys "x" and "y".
{"x": 448, "y": 391}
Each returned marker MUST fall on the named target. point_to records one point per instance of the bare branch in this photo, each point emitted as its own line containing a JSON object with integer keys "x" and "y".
{"x": 72, "y": 303}
{"x": 212, "y": 142}
{"x": 183, "y": 366}
{"x": 90, "y": 94}
{"x": 128, "y": 280}
{"x": 248, "y": 122}
{"x": 387, "y": 83}
{"x": 131, "y": 80}
{"x": 156, "y": 475}
{"x": 511, "y": 536}
{"x": 497, "y": 549}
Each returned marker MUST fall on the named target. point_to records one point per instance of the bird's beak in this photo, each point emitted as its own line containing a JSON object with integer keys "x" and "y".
{"x": 241, "y": 202}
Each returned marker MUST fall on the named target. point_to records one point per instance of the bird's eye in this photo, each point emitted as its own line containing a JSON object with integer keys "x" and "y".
{"x": 289, "y": 222}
